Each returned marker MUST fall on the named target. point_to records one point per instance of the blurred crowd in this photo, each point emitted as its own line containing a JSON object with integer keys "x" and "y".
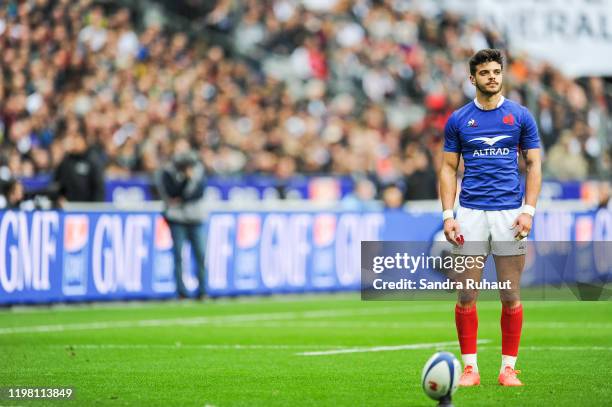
{"x": 359, "y": 88}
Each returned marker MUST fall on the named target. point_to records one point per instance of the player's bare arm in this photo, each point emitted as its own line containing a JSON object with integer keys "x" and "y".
{"x": 533, "y": 184}
{"x": 448, "y": 192}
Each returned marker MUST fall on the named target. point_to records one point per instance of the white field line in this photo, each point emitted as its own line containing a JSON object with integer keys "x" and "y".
{"x": 191, "y": 321}
{"x": 564, "y": 325}
{"x": 341, "y": 297}
{"x": 400, "y": 325}
{"x": 329, "y": 349}
{"x": 341, "y": 324}
{"x": 288, "y": 319}
{"x": 209, "y": 346}
{"x": 556, "y": 348}
{"x": 413, "y": 346}
{"x": 275, "y": 299}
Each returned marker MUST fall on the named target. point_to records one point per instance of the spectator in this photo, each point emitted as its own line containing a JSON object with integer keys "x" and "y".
{"x": 79, "y": 176}
{"x": 362, "y": 197}
{"x": 603, "y": 196}
{"x": 565, "y": 160}
{"x": 180, "y": 184}
{"x": 392, "y": 197}
{"x": 11, "y": 194}
{"x": 362, "y": 79}
{"x": 420, "y": 178}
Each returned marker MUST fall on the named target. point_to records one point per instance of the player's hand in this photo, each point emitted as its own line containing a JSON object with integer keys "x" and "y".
{"x": 522, "y": 225}
{"x": 452, "y": 232}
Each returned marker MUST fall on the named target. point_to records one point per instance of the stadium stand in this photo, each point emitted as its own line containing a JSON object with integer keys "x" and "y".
{"x": 269, "y": 87}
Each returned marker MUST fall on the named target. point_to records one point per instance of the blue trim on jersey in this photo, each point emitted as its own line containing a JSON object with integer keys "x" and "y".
{"x": 487, "y": 208}
{"x": 489, "y": 141}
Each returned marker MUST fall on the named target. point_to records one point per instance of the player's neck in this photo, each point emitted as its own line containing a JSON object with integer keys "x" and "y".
{"x": 488, "y": 102}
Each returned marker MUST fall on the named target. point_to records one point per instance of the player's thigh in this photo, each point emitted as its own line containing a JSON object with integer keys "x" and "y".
{"x": 475, "y": 230}
{"x": 462, "y": 275}
{"x": 503, "y": 242}
{"x": 510, "y": 268}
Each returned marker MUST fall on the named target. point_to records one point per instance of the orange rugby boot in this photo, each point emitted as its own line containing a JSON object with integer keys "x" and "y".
{"x": 508, "y": 377}
{"x": 469, "y": 377}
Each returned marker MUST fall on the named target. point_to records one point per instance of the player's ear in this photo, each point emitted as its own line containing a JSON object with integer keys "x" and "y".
{"x": 472, "y": 80}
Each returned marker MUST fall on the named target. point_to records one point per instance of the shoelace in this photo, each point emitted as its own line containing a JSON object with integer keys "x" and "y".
{"x": 512, "y": 372}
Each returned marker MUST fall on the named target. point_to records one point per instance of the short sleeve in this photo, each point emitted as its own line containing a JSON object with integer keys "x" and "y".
{"x": 452, "y": 142}
{"x": 529, "y": 132}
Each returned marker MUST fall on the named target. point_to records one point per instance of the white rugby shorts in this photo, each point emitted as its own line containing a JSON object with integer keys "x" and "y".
{"x": 489, "y": 232}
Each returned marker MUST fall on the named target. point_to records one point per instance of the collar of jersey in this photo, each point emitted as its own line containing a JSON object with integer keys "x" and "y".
{"x": 478, "y": 105}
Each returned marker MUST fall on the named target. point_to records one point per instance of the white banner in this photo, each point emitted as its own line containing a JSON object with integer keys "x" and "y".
{"x": 573, "y": 35}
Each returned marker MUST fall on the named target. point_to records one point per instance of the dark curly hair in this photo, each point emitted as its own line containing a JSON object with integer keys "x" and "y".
{"x": 484, "y": 56}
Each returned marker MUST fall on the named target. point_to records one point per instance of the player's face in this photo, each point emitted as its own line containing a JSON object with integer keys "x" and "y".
{"x": 488, "y": 78}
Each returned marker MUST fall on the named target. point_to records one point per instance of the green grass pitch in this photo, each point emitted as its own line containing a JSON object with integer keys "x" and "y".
{"x": 314, "y": 350}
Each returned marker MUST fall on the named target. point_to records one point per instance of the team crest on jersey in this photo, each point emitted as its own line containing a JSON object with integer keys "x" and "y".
{"x": 509, "y": 119}
{"x": 472, "y": 123}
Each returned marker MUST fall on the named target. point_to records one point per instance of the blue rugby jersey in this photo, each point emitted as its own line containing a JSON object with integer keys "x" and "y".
{"x": 489, "y": 141}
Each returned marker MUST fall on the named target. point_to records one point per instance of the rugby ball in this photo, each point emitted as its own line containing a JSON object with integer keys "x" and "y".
{"x": 440, "y": 376}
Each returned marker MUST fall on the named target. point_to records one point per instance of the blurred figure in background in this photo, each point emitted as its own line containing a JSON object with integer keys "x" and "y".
{"x": 603, "y": 198}
{"x": 278, "y": 81}
{"x": 420, "y": 177}
{"x": 79, "y": 176}
{"x": 12, "y": 195}
{"x": 180, "y": 184}
{"x": 565, "y": 159}
{"x": 363, "y": 196}
{"x": 392, "y": 197}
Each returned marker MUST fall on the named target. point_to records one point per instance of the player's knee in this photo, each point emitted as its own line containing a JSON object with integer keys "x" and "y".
{"x": 467, "y": 298}
{"x": 511, "y": 302}
{"x": 509, "y": 295}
